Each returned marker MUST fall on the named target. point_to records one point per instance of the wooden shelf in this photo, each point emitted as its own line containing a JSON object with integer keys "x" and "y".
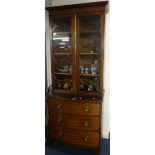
{"x": 57, "y": 73}
{"x": 62, "y": 53}
{"x": 90, "y": 32}
{"x": 88, "y": 94}
{"x": 93, "y": 75}
{"x": 63, "y": 91}
{"x": 62, "y": 32}
{"x": 90, "y": 53}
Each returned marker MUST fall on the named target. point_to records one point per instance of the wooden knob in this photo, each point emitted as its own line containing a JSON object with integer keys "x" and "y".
{"x": 60, "y": 133}
{"x": 86, "y": 109}
{"x": 86, "y": 124}
{"x": 85, "y": 139}
{"x": 59, "y": 106}
{"x": 59, "y": 119}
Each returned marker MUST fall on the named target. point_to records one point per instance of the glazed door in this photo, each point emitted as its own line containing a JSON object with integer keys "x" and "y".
{"x": 62, "y": 55}
{"x": 90, "y": 54}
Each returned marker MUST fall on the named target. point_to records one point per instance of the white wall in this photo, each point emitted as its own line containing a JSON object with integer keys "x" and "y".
{"x": 106, "y": 115}
{"x": 48, "y": 63}
{"x": 68, "y": 2}
{"x": 106, "y": 102}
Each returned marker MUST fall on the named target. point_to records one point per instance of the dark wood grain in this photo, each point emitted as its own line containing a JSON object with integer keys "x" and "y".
{"x": 78, "y": 8}
{"x": 74, "y": 121}
{"x": 85, "y": 108}
{"x": 75, "y": 137}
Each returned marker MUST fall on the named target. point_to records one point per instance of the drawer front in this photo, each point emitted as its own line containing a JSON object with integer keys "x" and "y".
{"x": 75, "y": 137}
{"x": 75, "y": 122}
{"x": 74, "y": 108}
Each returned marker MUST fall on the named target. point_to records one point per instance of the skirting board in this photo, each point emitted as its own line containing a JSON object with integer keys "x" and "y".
{"x": 105, "y": 135}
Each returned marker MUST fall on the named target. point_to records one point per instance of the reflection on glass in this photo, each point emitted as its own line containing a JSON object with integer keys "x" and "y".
{"x": 62, "y": 35}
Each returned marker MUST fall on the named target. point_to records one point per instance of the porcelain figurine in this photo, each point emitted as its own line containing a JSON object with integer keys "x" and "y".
{"x": 93, "y": 70}
{"x": 86, "y": 70}
{"x": 81, "y": 69}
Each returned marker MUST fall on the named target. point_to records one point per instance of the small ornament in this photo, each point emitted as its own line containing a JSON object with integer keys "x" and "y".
{"x": 90, "y": 88}
{"x": 59, "y": 85}
{"x": 93, "y": 70}
{"x": 81, "y": 86}
{"x": 86, "y": 70}
{"x": 81, "y": 69}
{"x": 67, "y": 85}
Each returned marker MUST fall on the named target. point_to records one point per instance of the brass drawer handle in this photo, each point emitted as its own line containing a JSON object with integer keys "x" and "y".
{"x": 59, "y": 119}
{"x": 60, "y": 134}
{"x": 59, "y": 106}
{"x": 87, "y": 109}
{"x": 85, "y": 139}
{"x": 86, "y": 124}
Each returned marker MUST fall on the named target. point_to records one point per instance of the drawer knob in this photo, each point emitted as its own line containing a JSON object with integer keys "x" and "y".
{"x": 59, "y": 106}
{"x": 60, "y": 133}
{"x": 59, "y": 119}
{"x": 86, "y": 109}
{"x": 85, "y": 139}
{"x": 86, "y": 124}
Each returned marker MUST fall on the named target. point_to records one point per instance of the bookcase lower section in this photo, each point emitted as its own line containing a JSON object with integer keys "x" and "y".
{"x": 76, "y": 123}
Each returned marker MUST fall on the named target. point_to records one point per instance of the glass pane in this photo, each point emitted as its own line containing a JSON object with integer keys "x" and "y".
{"x": 62, "y": 53}
{"x": 89, "y": 57}
{"x": 62, "y": 35}
{"x": 89, "y": 28}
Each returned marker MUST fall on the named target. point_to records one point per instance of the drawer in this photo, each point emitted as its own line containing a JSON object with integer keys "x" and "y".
{"x": 76, "y": 108}
{"x": 74, "y": 137}
{"x": 75, "y": 122}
